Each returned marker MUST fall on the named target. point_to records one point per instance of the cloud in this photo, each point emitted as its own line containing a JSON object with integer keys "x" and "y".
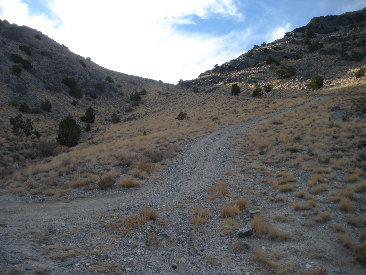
{"x": 278, "y": 32}
{"x": 136, "y": 37}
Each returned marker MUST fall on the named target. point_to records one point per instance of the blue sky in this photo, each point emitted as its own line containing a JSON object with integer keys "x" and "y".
{"x": 166, "y": 39}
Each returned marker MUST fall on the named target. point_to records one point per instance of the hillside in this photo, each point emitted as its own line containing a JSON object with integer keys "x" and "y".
{"x": 192, "y": 178}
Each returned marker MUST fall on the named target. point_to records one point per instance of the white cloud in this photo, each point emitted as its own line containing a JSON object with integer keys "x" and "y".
{"x": 279, "y": 32}
{"x": 136, "y": 37}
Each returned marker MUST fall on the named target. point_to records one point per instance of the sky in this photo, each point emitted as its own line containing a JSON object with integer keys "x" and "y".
{"x": 166, "y": 40}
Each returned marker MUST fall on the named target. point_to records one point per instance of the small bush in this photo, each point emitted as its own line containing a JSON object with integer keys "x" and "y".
{"x": 46, "y": 105}
{"x": 230, "y": 211}
{"x": 360, "y": 73}
{"x": 195, "y": 90}
{"x": 106, "y": 183}
{"x": 219, "y": 69}
{"x": 74, "y": 102}
{"x": 93, "y": 95}
{"x": 46, "y": 149}
{"x": 115, "y": 118}
{"x": 89, "y": 116}
{"x": 315, "y": 45}
{"x": 267, "y": 88}
{"x": 255, "y": 62}
{"x": 75, "y": 91}
{"x": 286, "y": 71}
{"x": 82, "y": 63}
{"x": 129, "y": 182}
{"x": 16, "y": 70}
{"x": 68, "y": 132}
{"x": 316, "y": 82}
{"x": 143, "y": 92}
{"x": 257, "y": 92}
{"x": 182, "y": 116}
{"x": 270, "y": 59}
{"x": 88, "y": 128}
{"x": 235, "y": 89}
{"x": 135, "y": 96}
{"x": 25, "y": 49}
{"x": 24, "y": 108}
{"x": 21, "y": 127}
{"x": 38, "y": 37}
{"x": 16, "y": 58}
{"x": 100, "y": 86}
{"x": 109, "y": 79}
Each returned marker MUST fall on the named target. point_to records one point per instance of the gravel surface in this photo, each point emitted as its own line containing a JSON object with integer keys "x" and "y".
{"x": 67, "y": 237}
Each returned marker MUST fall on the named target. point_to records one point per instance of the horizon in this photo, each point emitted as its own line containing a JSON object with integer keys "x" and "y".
{"x": 166, "y": 40}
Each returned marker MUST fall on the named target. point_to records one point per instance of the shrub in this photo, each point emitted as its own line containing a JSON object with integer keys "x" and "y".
{"x": 25, "y": 49}
{"x": 257, "y": 92}
{"x": 88, "y": 128}
{"x": 315, "y": 45}
{"x": 135, "y": 96}
{"x": 219, "y": 69}
{"x": 100, "y": 86}
{"x": 109, "y": 79}
{"x": 182, "y": 116}
{"x": 46, "y": 149}
{"x": 316, "y": 82}
{"x": 74, "y": 102}
{"x": 75, "y": 91}
{"x": 143, "y": 92}
{"x": 89, "y": 116}
{"x": 115, "y": 118}
{"x": 195, "y": 90}
{"x": 129, "y": 182}
{"x": 267, "y": 88}
{"x": 106, "y": 183}
{"x": 68, "y": 132}
{"x": 235, "y": 89}
{"x": 15, "y": 69}
{"x": 46, "y": 105}
{"x": 255, "y": 62}
{"x": 93, "y": 95}
{"x": 270, "y": 59}
{"x": 24, "y": 108}
{"x": 16, "y": 58}
{"x": 21, "y": 127}
{"x": 37, "y": 36}
{"x": 360, "y": 73}
{"x": 82, "y": 63}
{"x": 286, "y": 71}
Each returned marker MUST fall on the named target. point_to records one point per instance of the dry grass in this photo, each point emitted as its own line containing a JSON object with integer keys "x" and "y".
{"x": 229, "y": 226}
{"x": 316, "y": 189}
{"x": 316, "y": 179}
{"x": 268, "y": 259}
{"x": 213, "y": 261}
{"x": 63, "y": 252}
{"x": 230, "y": 211}
{"x": 259, "y": 225}
{"x": 304, "y": 206}
{"x": 346, "y": 240}
{"x": 322, "y": 217}
{"x": 352, "y": 220}
{"x": 106, "y": 183}
{"x": 219, "y": 190}
{"x": 127, "y": 224}
{"x": 105, "y": 268}
{"x": 286, "y": 187}
{"x": 360, "y": 253}
{"x": 199, "y": 216}
{"x": 242, "y": 203}
{"x": 346, "y": 205}
{"x": 129, "y": 183}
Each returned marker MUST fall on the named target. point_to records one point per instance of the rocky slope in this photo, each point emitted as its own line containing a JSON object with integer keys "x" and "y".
{"x": 326, "y": 45}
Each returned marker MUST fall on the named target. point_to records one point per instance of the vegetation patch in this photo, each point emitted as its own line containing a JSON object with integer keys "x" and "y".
{"x": 316, "y": 82}
{"x": 75, "y": 91}
{"x": 68, "y": 132}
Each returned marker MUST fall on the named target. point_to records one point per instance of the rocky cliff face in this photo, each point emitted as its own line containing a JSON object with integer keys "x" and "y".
{"x": 327, "y": 45}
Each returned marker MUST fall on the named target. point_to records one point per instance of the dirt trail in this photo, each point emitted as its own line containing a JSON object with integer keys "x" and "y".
{"x": 185, "y": 181}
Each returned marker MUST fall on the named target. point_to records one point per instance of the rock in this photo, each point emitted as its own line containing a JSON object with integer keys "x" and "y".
{"x": 339, "y": 115}
{"x": 308, "y": 266}
{"x": 252, "y": 212}
{"x": 245, "y": 232}
{"x": 174, "y": 266}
